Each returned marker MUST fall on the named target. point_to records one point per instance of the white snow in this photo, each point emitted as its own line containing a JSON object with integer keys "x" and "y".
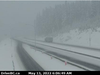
{"x": 70, "y": 54}
{"x": 9, "y": 59}
{"x": 47, "y": 63}
{"x": 5, "y": 56}
{"x": 75, "y": 37}
{"x": 88, "y": 38}
{"x": 83, "y": 41}
{"x": 75, "y": 49}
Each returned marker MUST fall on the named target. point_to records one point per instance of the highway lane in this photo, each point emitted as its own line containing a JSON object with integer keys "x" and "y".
{"x": 29, "y": 63}
{"x": 77, "y": 46}
{"x": 72, "y": 59}
{"x": 83, "y": 51}
{"x": 86, "y": 64}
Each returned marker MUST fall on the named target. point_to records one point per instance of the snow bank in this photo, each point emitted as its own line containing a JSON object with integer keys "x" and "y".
{"x": 47, "y": 63}
{"x": 88, "y": 38}
{"x": 9, "y": 59}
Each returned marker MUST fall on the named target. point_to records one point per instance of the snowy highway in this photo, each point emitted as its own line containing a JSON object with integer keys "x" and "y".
{"x": 27, "y": 60}
{"x": 25, "y": 55}
{"x": 15, "y": 56}
{"x": 87, "y": 62}
{"x": 50, "y": 35}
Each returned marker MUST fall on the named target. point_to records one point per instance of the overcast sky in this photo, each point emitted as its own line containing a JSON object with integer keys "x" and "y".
{"x": 17, "y": 17}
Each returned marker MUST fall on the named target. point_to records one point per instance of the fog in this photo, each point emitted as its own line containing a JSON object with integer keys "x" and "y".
{"x": 17, "y": 17}
{"x": 65, "y": 34}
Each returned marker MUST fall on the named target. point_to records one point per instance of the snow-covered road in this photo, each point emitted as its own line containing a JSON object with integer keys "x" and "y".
{"x": 29, "y": 63}
{"x": 48, "y": 62}
{"x": 10, "y": 59}
{"x": 88, "y": 58}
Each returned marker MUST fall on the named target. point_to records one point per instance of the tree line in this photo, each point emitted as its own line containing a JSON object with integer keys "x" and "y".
{"x": 68, "y": 16}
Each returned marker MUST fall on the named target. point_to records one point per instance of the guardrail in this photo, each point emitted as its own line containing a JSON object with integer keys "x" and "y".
{"x": 85, "y": 47}
{"x": 87, "y": 61}
{"x": 29, "y": 63}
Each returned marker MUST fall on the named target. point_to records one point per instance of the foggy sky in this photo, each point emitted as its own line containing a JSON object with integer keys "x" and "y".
{"x": 17, "y": 17}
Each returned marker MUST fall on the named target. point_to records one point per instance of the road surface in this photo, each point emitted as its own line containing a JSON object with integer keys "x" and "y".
{"x": 29, "y": 63}
{"x": 83, "y": 63}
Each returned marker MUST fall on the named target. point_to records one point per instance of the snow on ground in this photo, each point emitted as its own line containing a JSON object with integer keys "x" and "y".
{"x": 5, "y": 56}
{"x": 88, "y": 59}
{"x": 9, "y": 59}
{"x": 85, "y": 38}
{"x": 46, "y": 45}
{"x": 47, "y": 63}
{"x": 75, "y": 49}
{"x": 88, "y": 38}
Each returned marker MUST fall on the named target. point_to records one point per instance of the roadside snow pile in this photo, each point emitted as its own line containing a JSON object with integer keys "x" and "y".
{"x": 9, "y": 59}
{"x": 5, "y": 56}
{"x": 48, "y": 63}
{"x": 88, "y": 38}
